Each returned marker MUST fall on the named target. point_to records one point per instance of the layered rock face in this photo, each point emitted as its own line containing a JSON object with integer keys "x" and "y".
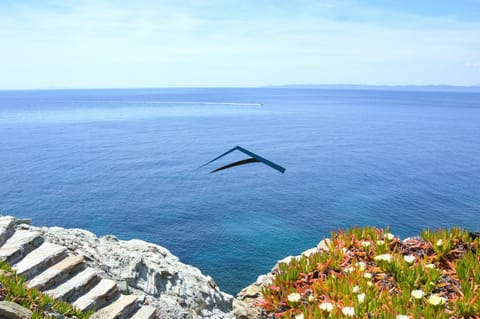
{"x": 151, "y": 271}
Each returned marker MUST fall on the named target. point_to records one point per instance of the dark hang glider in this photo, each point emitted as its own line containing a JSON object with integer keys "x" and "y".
{"x": 254, "y": 159}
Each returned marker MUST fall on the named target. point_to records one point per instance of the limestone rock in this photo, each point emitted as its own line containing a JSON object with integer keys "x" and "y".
{"x": 245, "y": 310}
{"x": 324, "y": 244}
{"x": 178, "y": 290}
{"x": 244, "y": 305}
{"x": 25, "y": 221}
{"x": 310, "y": 251}
{"x": 11, "y": 310}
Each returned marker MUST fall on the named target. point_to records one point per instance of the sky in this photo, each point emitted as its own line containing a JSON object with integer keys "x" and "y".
{"x": 237, "y": 43}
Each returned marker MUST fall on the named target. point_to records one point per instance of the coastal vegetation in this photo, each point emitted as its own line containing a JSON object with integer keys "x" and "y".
{"x": 371, "y": 273}
{"x": 13, "y": 288}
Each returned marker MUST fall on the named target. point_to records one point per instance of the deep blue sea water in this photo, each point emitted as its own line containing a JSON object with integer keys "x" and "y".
{"x": 125, "y": 162}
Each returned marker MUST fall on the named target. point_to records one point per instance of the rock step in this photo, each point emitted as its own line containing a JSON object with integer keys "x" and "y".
{"x": 19, "y": 244}
{"x": 6, "y": 228}
{"x": 145, "y": 312}
{"x": 63, "y": 276}
{"x": 119, "y": 309}
{"x": 11, "y": 310}
{"x": 57, "y": 273}
{"x": 76, "y": 285}
{"x": 40, "y": 259}
{"x": 99, "y": 295}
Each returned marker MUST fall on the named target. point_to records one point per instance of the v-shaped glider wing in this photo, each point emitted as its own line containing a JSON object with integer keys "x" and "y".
{"x": 254, "y": 159}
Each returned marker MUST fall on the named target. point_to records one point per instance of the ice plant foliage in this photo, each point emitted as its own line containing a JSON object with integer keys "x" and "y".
{"x": 370, "y": 273}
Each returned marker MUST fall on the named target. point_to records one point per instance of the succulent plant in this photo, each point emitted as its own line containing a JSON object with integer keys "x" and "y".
{"x": 370, "y": 273}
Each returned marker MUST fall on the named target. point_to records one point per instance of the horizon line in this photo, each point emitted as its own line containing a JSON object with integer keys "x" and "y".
{"x": 292, "y": 85}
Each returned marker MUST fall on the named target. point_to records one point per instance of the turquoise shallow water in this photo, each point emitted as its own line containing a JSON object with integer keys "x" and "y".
{"x": 125, "y": 162}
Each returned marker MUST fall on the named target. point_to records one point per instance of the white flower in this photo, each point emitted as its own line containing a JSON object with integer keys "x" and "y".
{"x": 356, "y": 289}
{"x": 361, "y": 298}
{"x": 299, "y": 316}
{"x": 326, "y": 306}
{"x": 362, "y": 266}
{"x": 349, "y": 269}
{"x": 348, "y": 311}
{"x": 430, "y": 266}
{"x": 389, "y": 236}
{"x": 439, "y": 242}
{"x": 294, "y": 297}
{"x": 417, "y": 294}
{"x": 311, "y": 298}
{"x": 409, "y": 259}
{"x": 402, "y": 317}
{"x": 365, "y": 244}
{"x": 380, "y": 242}
{"x": 367, "y": 275}
{"x": 436, "y": 300}
{"x": 384, "y": 257}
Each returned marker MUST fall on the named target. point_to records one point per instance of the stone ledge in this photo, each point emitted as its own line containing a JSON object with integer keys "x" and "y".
{"x": 11, "y": 310}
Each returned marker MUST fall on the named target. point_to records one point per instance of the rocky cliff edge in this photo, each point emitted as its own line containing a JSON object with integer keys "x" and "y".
{"x": 150, "y": 271}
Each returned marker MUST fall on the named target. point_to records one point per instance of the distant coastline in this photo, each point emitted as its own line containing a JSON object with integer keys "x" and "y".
{"x": 429, "y": 88}
{"x": 352, "y": 87}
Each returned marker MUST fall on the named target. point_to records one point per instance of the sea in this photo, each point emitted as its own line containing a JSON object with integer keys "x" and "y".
{"x": 128, "y": 162}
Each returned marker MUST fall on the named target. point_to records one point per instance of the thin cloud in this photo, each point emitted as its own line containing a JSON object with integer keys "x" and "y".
{"x": 217, "y": 43}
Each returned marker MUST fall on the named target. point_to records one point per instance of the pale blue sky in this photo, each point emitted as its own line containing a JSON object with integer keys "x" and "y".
{"x": 96, "y": 44}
